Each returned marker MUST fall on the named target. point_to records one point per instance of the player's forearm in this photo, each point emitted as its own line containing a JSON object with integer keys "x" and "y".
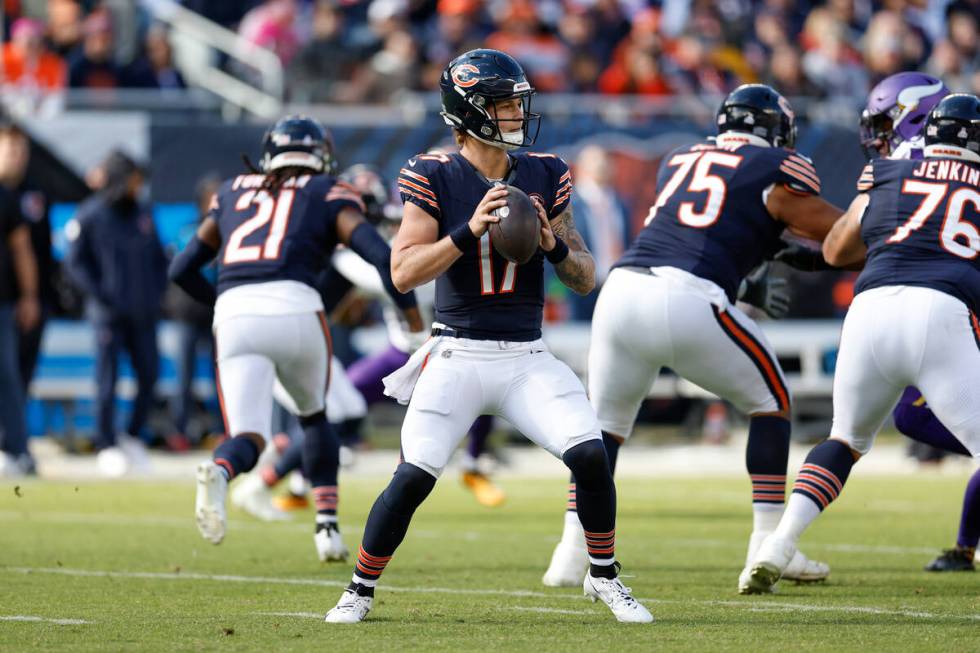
{"x": 24, "y": 262}
{"x": 415, "y": 265}
{"x": 577, "y": 272}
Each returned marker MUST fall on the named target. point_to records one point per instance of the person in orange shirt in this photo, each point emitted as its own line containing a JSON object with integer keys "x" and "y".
{"x": 26, "y": 61}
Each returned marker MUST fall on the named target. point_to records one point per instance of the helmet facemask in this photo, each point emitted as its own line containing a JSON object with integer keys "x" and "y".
{"x": 481, "y": 121}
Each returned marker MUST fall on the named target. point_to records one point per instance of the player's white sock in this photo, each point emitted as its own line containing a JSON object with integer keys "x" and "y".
{"x": 800, "y": 512}
{"x": 765, "y": 519}
{"x": 765, "y": 516}
{"x": 573, "y": 532}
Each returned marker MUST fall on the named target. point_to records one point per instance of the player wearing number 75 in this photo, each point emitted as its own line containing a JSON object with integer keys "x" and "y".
{"x": 272, "y": 233}
{"x": 486, "y": 356}
{"x": 915, "y": 225}
{"x": 722, "y": 208}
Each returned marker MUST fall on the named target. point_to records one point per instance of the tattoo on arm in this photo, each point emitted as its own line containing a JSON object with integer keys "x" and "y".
{"x": 577, "y": 271}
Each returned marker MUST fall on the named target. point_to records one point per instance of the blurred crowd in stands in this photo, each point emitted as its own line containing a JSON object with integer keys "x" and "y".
{"x": 356, "y": 51}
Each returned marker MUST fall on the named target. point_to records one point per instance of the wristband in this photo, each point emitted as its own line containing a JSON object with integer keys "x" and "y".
{"x": 559, "y": 253}
{"x": 463, "y": 238}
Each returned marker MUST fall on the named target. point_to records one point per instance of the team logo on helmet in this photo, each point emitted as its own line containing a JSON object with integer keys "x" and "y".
{"x": 784, "y": 105}
{"x": 466, "y": 75}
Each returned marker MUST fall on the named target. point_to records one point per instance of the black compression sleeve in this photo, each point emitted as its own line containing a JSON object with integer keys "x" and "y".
{"x": 367, "y": 244}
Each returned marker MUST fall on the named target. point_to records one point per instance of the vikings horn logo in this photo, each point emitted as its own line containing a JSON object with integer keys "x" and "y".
{"x": 466, "y": 75}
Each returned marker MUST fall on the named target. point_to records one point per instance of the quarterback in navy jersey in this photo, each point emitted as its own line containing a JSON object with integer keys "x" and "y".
{"x": 272, "y": 233}
{"x": 916, "y": 227}
{"x": 720, "y": 212}
{"x": 486, "y": 356}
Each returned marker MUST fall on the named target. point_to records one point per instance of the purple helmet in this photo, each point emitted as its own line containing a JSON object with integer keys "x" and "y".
{"x": 897, "y": 109}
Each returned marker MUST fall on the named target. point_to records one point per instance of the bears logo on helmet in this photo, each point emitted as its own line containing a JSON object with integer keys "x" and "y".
{"x": 466, "y": 75}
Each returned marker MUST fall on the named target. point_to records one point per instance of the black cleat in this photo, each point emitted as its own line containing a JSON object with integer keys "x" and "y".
{"x": 952, "y": 560}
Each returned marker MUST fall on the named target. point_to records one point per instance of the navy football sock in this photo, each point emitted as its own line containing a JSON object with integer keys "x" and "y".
{"x": 766, "y": 456}
{"x": 291, "y": 459}
{"x": 236, "y": 455}
{"x": 388, "y": 521}
{"x": 349, "y": 431}
{"x": 824, "y": 472}
{"x": 612, "y": 446}
{"x": 321, "y": 458}
{"x": 596, "y": 503}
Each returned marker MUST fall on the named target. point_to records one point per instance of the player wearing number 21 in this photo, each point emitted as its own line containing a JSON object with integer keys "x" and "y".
{"x": 486, "y": 355}
{"x": 272, "y": 233}
{"x": 915, "y": 225}
{"x": 722, "y": 208}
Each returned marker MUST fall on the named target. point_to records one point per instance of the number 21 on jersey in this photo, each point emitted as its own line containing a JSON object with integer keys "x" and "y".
{"x": 701, "y": 180}
{"x": 277, "y": 209}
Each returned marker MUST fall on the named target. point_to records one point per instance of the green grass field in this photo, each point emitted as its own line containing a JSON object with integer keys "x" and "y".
{"x": 126, "y": 559}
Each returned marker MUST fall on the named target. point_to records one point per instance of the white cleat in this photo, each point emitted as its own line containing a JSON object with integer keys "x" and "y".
{"x": 112, "y": 462}
{"x": 614, "y": 594}
{"x": 136, "y": 454}
{"x": 350, "y": 609}
{"x": 762, "y": 574}
{"x": 209, "y": 507}
{"x": 803, "y": 570}
{"x": 569, "y": 564}
{"x": 330, "y": 545}
{"x": 252, "y": 495}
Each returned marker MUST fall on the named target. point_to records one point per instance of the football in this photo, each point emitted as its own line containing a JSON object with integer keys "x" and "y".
{"x": 518, "y": 234}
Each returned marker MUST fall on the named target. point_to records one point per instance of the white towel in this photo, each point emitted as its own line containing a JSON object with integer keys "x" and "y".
{"x": 400, "y": 384}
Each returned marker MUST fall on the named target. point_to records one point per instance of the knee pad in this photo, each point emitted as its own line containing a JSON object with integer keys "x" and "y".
{"x": 589, "y": 464}
{"x": 408, "y": 489}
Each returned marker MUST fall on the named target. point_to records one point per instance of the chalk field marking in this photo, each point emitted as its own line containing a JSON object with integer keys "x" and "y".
{"x": 548, "y": 610}
{"x": 468, "y": 536}
{"x": 266, "y": 580}
{"x": 47, "y": 620}
{"x": 320, "y": 616}
{"x": 297, "y": 615}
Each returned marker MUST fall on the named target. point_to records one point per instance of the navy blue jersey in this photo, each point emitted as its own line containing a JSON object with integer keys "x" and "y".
{"x": 288, "y": 237}
{"x": 710, "y": 217}
{"x": 922, "y": 226}
{"x": 483, "y": 294}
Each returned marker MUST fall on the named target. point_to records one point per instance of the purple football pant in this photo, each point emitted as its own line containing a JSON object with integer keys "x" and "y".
{"x": 914, "y": 419}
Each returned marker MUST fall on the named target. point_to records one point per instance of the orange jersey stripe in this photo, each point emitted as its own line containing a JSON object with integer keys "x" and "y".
{"x": 803, "y": 180}
{"x": 417, "y": 196}
{"x": 801, "y": 171}
{"x": 424, "y": 191}
{"x": 414, "y": 175}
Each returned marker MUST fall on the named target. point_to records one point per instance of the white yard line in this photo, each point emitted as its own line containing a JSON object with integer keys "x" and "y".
{"x": 468, "y": 536}
{"x": 266, "y": 580}
{"x": 47, "y": 620}
{"x": 547, "y": 610}
{"x": 298, "y": 615}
